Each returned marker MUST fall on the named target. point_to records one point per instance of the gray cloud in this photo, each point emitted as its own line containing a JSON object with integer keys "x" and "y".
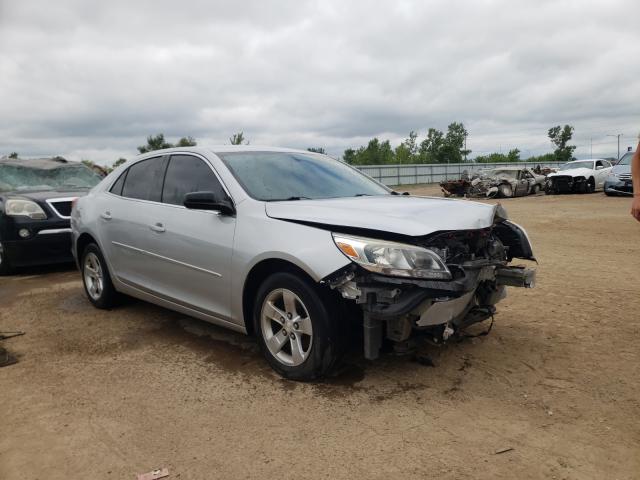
{"x": 93, "y": 79}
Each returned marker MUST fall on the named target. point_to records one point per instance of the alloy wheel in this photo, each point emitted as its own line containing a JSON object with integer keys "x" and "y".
{"x": 93, "y": 276}
{"x": 286, "y": 327}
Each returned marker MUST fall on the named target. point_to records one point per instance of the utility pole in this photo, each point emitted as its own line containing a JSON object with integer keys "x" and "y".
{"x": 617, "y": 135}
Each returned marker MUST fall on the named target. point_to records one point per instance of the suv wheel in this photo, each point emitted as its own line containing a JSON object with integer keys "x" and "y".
{"x": 296, "y": 327}
{"x": 96, "y": 278}
{"x": 5, "y": 266}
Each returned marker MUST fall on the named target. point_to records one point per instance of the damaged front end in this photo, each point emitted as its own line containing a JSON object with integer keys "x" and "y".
{"x": 438, "y": 284}
{"x": 566, "y": 184}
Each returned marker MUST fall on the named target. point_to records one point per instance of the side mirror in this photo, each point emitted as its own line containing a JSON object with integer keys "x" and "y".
{"x": 599, "y": 167}
{"x": 209, "y": 201}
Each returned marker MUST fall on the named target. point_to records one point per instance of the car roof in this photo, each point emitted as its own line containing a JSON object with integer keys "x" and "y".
{"x": 203, "y": 150}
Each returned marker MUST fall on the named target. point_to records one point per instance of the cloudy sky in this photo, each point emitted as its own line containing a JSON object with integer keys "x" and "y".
{"x": 93, "y": 79}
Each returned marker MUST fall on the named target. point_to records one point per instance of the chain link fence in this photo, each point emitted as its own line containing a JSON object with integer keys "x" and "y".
{"x": 435, "y": 172}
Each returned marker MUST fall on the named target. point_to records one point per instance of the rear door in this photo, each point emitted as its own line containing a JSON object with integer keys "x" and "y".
{"x": 195, "y": 245}
{"x": 125, "y": 228}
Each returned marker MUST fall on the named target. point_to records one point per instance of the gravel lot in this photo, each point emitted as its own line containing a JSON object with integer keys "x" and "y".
{"x": 106, "y": 395}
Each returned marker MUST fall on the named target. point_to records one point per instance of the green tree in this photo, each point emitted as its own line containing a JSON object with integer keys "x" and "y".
{"x": 513, "y": 155}
{"x": 185, "y": 142}
{"x": 431, "y": 147}
{"x": 559, "y": 137}
{"x": 13, "y": 155}
{"x": 407, "y": 151}
{"x": 349, "y": 156}
{"x": 118, "y": 162}
{"x": 238, "y": 139}
{"x": 156, "y": 142}
{"x": 453, "y": 149}
{"x": 317, "y": 150}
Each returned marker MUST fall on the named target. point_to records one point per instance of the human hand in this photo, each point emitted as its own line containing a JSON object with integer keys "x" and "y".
{"x": 635, "y": 206}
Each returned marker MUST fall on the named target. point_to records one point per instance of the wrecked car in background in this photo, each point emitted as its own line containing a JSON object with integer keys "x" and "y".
{"x": 578, "y": 176}
{"x": 496, "y": 182}
{"x": 294, "y": 247}
{"x": 35, "y": 208}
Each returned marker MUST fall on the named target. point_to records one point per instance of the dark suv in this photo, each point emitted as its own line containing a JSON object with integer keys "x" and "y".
{"x": 35, "y": 209}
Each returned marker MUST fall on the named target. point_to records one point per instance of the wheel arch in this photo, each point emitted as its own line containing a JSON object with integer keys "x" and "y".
{"x": 258, "y": 273}
{"x": 83, "y": 240}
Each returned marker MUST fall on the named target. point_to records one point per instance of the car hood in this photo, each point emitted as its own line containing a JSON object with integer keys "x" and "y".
{"x": 620, "y": 169}
{"x": 404, "y": 215}
{"x": 574, "y": 172}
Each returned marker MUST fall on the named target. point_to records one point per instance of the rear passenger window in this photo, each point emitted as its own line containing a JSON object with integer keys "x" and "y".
{"x": 186, "y": 174}
{"x": 116, "y": 188}
{"x": 144, "y": 180}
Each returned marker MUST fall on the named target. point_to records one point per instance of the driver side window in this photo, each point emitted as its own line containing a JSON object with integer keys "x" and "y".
{"x": 187, "y": 174}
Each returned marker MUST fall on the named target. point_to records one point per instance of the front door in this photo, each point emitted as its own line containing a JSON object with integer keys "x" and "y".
{"x": 195, "y": 246}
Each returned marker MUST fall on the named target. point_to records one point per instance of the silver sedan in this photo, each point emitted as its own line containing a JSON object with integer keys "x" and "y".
{"x": 296, "y": 248}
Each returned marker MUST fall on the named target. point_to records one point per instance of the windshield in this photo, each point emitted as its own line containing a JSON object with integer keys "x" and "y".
{"x": 573, "y": 165}
{"x": 626, "y": 159}
{"x": 272, "y": 176}
{"x": 18, "y": 178}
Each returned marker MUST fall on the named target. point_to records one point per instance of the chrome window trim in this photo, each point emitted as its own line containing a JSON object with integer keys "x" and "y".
{"x": 107, "y": 191}
{"x": 170, "y": 260}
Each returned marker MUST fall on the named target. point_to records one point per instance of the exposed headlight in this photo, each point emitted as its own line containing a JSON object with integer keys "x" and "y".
{"x": 613, "y": 175}
{"x": 391, "y": 258}
{"x": 21, "y": 207}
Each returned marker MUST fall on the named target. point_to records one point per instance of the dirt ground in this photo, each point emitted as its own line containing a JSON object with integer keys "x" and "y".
{"x": 108, "y": 394}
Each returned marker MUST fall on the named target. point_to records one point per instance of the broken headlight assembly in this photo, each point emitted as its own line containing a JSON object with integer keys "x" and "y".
{"x": 392, "y": 258}
{"x": 21, "y": 207}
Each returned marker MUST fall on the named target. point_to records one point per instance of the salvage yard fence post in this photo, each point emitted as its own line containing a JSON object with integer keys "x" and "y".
{"x": 417, "y": 173}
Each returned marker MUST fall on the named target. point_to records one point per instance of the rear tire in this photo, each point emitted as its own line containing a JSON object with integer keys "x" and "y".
{"x": 297, "y": 325}
{"x": 96, "y": 278}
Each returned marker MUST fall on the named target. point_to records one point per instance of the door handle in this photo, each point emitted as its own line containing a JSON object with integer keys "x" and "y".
{"x": 157, "y": 227}
{"x": 106, "y": 215}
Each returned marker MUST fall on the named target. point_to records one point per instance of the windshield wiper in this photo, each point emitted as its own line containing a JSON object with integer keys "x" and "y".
{"x": 287, "y": 199}
{"x": 362, "y": 195}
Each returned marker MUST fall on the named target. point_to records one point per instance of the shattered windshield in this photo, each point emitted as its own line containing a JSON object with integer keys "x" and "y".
{"x": 574, "y": 165}
{"x": 22, "y": 178}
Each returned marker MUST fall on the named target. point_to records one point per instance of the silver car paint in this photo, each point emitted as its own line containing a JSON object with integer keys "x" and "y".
{"x": 199, "y": 263}
{"x": 405, "y": 215}
{"x": 179, "y": 269}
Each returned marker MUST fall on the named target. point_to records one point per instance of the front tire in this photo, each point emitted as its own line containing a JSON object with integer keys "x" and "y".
{"x": 535, "y": 190}
{"x": 96, "y": 278}
{"x": 296, "y": 326}
{"x": 505, "y": 190}
{"x": 5, "y": 264}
